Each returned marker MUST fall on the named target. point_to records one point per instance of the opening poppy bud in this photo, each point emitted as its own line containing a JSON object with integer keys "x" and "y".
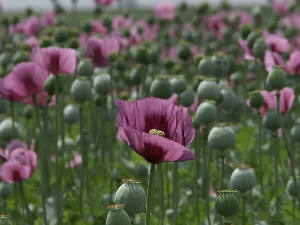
{"x": 106, "y": 21}
{"x": 153, "y": 55}
{"x": 112, "y": 56}
{"x": 259, "y": 49}
{"x": 19, "y": 57}
{"x": 208, "y": 89}
{"x": 132, "y": 195}
{"x": 206, "y": 66}
{"x": 61, "y": 34}
{"x": 7, "y": 132}
{"x": 229, "y": 100}
{"x": 252, "y": 37}
{"x": 157, "y": 132}
{"x": 227, "y": 204}
{"x": 187, "y": 98}
{"x": 117, "y": 215}
{"x": 6, "y": 59}
{"x": 295, "y": 133}
{"x": 46, "y": 42}
{"x": 142, "y": 55}
{"x": 5, "y": 190}
{"x": 179, "y": 84}
{"x": 221, "y": 64}
{"x": 184, "y": 51}
{"x": 50, "y": 85}
{"x": 87, "y": 27}
{"x": 206, "y": 112}
{"x": 243, "y": 178}
{"x": 27, "y": 112}
{"x": 245, "y": 30}
{"x": 14, "y": 19}
{"x": 270, "y": 120}
{"x": 196, "y": 123}
{"x": 221, "y": 137}
{"x": 73, "y": 43}
{"x": 161, "y": 88}
{"x": 85, "y": 68}
{"x": 102, "y": 84}
{"x": 71, "y": 114}
{"x": 256, "y": 99}
{"x": 81, "y": 90}
{"x": 5, "y": 220}
{"x": 4, "y": 104}
{"x": 291, "y": 189}
{"x": 277, "y": 78}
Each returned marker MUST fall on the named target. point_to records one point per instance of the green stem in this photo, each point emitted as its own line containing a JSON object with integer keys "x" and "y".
{"x": 83, "y": 150}
{"x": 275, "y": 146}
{"x": 16, "y": 203}
{"x": 196, "y": 192}
{"x": 149, "y": 194}
{"x": 207, "y": 196}
{"x": 175, "y": 192}
{"x": 167, "y": 184}
{"x": 204, "y": 144}
{"x": 222, "y": 157}
{"x": 243, "y": 208}
{"x": 161, "y": 194}
{"x": 25, "y": 203}
{"x": 12, "y": 117}
{"x": 294, "y": 202}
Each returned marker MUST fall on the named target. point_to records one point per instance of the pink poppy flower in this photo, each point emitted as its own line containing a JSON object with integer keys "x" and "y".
{"x": 248, "y": 54}
{"x": 169, "y": 53}
{"x": 14, "y": 144}
{"x": 99, "y": 49}
{"x": 25, "y": 80}
{"x": 104, "y": 2}
{"x": 121, "y": 22}
{"x": 99, "y": 28}
{"x": 174, "y": 98}
{"x": 292, "y": 19}
{"x": 280, "y": 7}
{"x": 47, "y": 18}
{"x": 173, "y": 121}
{"x": 135, "y": 37}
{"x": 212, "y": 192}
{"x": 274, "y": 59}
{"x": 83, "y": 39}
{"x": 276, "y": 43}
{"x": 41, "y": 99}
{"x": 195, "y": 105}
{"x": 33, "y": 42}
{"x": 31, "y": 26}
{"x": 75, "y": 161}
{"x": 56, "y": 60}
{"x": 294, "y": 62}
{"x": 165, "y": 11}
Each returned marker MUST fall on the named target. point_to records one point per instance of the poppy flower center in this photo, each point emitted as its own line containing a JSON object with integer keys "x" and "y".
{"x": 157, "y": 132}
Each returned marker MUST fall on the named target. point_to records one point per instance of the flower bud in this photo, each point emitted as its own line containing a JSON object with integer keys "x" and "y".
{"x": 85, "y": 68}
{"x": 61, "y": 34}
{"x": 71, "y": 114}
{"x": 277, "y": 78}
{"x": 227, "y": 204}
{"x": 208, "y": 89}
{"x": 187, "y": 98}
{"x": 132, "y": 195}
{"x": 19, "y": 57}
{"x": 178, "y": 84}
{"x": 102, "y": 84}
{"x": 256, "y": 99}
{"x": 259, "y": 49}
{"x": 117, "y": 216}
{"x": 206, "y": 66}
{"x": 245, "y": 30}
{"x": 229, "y": 99}
{"x": 221, "y": 65}
{"x": 221, "y": 137}
{"x": 81, "y": 90}
{"x": 6, "y": 130}
{"x": 252, "y": 37}
{"x": 53, "y": 82}
{"x": 206, "y": 113}
{"x": 243, "y": 178}
{"x": 184, "y": 51}
{"x": 291, "y": 189}
{"x": 142, "y": 55}
{"x": 27, "y": 112}
{"x": 161, "y": 87}
{"x": 270, "y": 120}
{"x": 4, "y": 104}
{"x": 135, "y": 76}
{"x": 5, "y": 191}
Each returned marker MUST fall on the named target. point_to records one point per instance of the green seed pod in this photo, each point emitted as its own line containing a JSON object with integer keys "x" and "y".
{"x": 85, "y": 68}
{"x": 198, "y": 79}
{"x": 206, "y": 66}
{"x": 81, "y": 90}
{"x": 161, "y": 87}
{"x": 46, "y": 42}
{"x": 170, "y": 213}
{"x": 20, "y": 57}
{"x": 61, "y": 34}
{"x": 227, "y": 204}
{"x": 107, "y": 21}
{"x": 187, "y": 98}
{"x": 112, "y": 56}
{"x": 5, "y": 220}
{"x": 221, "y": 137}
{"x": 126, "y": 33}
{"x": 196, "y": 123}
{"x": 135, "y": 76}
{"x": 291, "y": 189}
{"x": 69, "y": 145}
{"x": 153, "y": 55}
{"x": 256, "y": 99}
{"x": 121, "y": 64}
{"x": 245, "y": 30}
{"x": 231, "y": 65}
{"x": 208, "y": 89}
{"x": 27, "y": 112}
{"x": 227, "y": 33}
{"x": 270, "y": 120}
{"x": 229, "y": 99}
{"x": 142, "y": 55}
{"x": 6, "y": 130}
{"x": 4, "y": 104}
{"x": 87, "y": 27}
{"x": 184, "y": 51}
{"x": 206, "y": 112}
{"x": 178, "y": 84}
{"x": 252, "y": 38}
{"x": 169, "y": 63}
{"x": 102, "y": 84}
{"x": 71, "y": 114}
{"x": 50, "y": 85}
{"x": 6, "y": 59}
{"x": 259, "y": 49}
{"x": 198, "y": 58}
{"x": 243, "y": 178}
{"x": 132, "y": 195}
{"x": 117, "y": 216}
{"x": 295, "y": 133}
{"x": 221, "y": 65}
{"x": 148, "y": 83}
{"x": 73, "y": 43}
{"x": 5, "y": 190}
{"x": 277, "y": 78}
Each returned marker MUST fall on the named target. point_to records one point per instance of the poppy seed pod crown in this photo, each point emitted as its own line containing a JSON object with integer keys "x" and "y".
{"x": 243, "y": 178}
{"x": 208, "y": 89}
{"x": 221, "y": 137}
{"x": 227, "y": 204}
{"x": 277, "y": 78}
{"x": 206, "y": 113}
{"x": 117, "y": 216}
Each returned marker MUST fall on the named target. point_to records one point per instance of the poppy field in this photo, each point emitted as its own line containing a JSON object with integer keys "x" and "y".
{"x": 176, "y": 115}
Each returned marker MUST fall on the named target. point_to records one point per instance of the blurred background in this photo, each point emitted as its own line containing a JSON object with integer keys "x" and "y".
{"x": 19, "y": 5}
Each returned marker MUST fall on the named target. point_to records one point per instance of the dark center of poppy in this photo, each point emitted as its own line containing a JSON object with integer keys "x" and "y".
{"x": 157, "y": 132}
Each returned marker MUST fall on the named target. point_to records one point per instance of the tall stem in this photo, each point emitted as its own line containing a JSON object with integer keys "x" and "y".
{"x": 294, "y": 202}
{"x": 222, "y": 157}
{"x": 207, "y": 197}
{"x": 161, "y": 194}
{"x": 83, "y": 153}
{"x": 275, "y": 146}
{"x": 149, "y": 194}
{"x": 16, "y": 203}
{"x": 175, "y": 191}
{"x": 243, "y": 208}
{"x": 166, "y": 169}
{"x": 196, "y": 192}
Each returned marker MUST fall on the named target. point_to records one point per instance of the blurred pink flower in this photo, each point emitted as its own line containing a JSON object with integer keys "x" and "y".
{"x": 56, "y": 60}
{"x": 135, "y": 38}
{"x": 47, "y": 18}
{"x": 248, "y": 54}
{"x": 280, "y": 6}
{"x": 31, "y": 26}
{"x": 195, "y": 105}
{"x": 292, "y": 19}
{"x": 121, "y": 22}
{"x": 294, "y": 62}
{"x": 277, "y": 44}
{"x": 104, "y": 2}
{"x": 169, "y": 53}
{"x": 274, "y": 59}
{"x": 99, "y": 28}
{"x": 83, "y": 39}
{"x": 75, "y": 161}
{"x": 33, "y": 42}
{"x": 212, "y": 192}
{"x": 165, "y": 11}
{"x": 41, "y": 99}
{"x": 99, "y": 49}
